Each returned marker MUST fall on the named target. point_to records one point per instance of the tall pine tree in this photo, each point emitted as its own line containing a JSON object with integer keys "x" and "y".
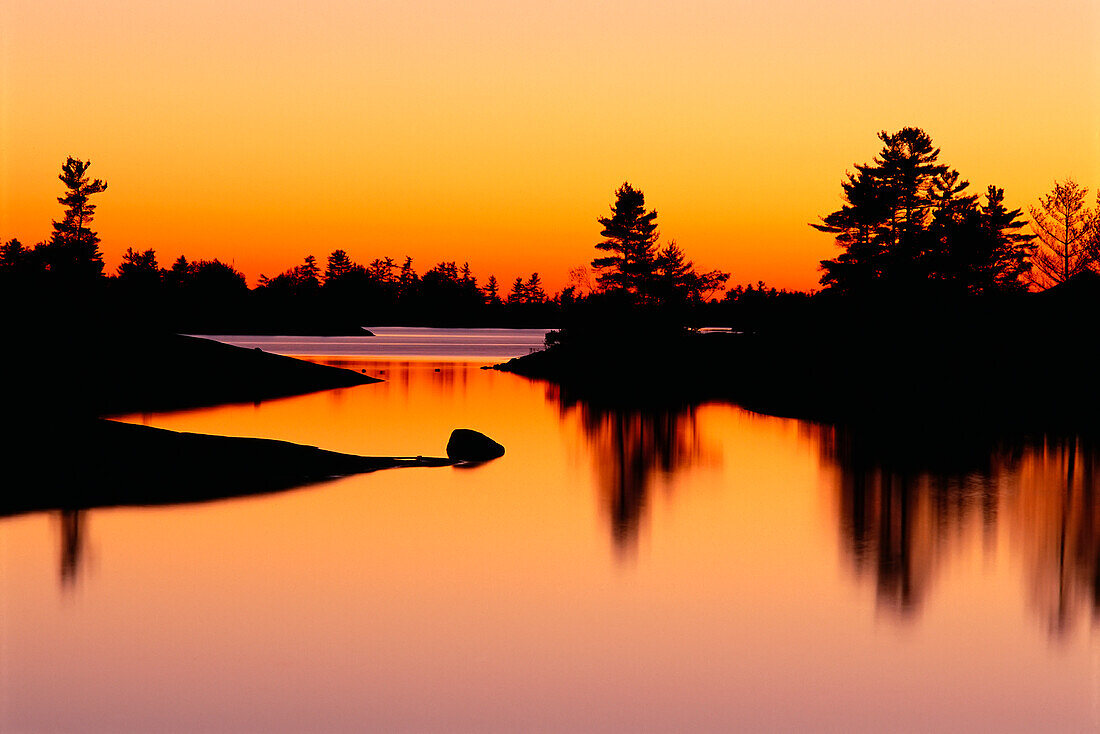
{"x": 630, "y": 237}
{"x": 907, "y": 222}
{"x": 73, "y": 250}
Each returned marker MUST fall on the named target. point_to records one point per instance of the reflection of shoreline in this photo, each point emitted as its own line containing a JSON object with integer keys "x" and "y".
{"x": 907, "y": 504}
{"x": 72, "y": 545}
{"x": 1055, "y": 517}
{"x": 634, "y": 448}
{"x": 450, "y": 374}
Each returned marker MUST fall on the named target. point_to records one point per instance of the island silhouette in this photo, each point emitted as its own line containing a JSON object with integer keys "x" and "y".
{"x": 938, "y": 304}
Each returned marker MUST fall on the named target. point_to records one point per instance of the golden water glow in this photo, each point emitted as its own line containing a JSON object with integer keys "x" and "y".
{"x": 740, "y": 572}
{"x": 496, "y": 131}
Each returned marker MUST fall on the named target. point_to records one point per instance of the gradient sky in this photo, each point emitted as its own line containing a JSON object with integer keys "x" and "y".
{"x": 496, "y": 131}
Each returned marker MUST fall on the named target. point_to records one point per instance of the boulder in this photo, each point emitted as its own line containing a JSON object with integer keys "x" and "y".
{"x": 468, "y": 445}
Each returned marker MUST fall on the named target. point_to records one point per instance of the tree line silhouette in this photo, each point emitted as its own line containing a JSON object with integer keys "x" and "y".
{"x": 908, "y": 222}
{"x": 212, "y": 295}
{"x": 908, "y": 228}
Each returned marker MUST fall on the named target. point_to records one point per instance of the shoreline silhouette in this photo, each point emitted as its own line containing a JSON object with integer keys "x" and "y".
{"x": 63, "y": 455}
{"x": 990, "y": 360}
{"x": 107, "y": 463}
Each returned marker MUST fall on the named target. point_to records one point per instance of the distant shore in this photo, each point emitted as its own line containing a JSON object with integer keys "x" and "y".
{"x": 84, "y": 373}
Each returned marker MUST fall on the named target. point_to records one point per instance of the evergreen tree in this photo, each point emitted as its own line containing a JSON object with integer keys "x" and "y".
{"x": 308, "y": 272}
{"x": 907, "y": 221}
{"x": 1008, "y": 260}
{"x": 445, "y": 271}
{"x": 407, "y": 279}
{"x": 381, "y": 269}
{"x": 676, "y": 280}
{"x": 907, "y": 173}
{"x": 860, "y": 228}
{"x": 675, "y": 274}
{"x": 946, "y": 248}
{"x": 519, "y": 293}
{"x": 73, "y": 249}
{"x": 139, "y": 269}
{"x": 533, "y": 291}
{"x": 215, "y": 278}
{"x": 630, "y": 236}
{"x": 338, "y": 266}
{"x": 492, "y": 294}
{"x": 13, "y": 255}
{"x": 178, "y": 273}
{"x": 887, "y": 204}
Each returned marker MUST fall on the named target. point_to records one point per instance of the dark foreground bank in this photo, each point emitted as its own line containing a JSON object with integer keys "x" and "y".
{"x": 99, "y": 463}
{"x": 60, "y": 455}
{"x": 102, "y": 463}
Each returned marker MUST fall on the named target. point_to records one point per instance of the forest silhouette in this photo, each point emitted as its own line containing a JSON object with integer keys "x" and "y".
{"x": 940, "y": 309}
{"x": 936, "y": 301}
{"x": 911, "y": 236}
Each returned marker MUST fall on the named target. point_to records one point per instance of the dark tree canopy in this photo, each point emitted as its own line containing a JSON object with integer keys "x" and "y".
{"x": 139, "y": 270}
{"x": 492, "y": 290}
{"x": 676, "y": 281}
{"x": 13, "y": 255}
{"x": 907, "y": 223}
{"x": 638, "y": 267}
{"x": 630, "y": 237}
{"x": 301, "y": 279}
{"x": 533, "y": 291}
{"x": 73, "y": 250}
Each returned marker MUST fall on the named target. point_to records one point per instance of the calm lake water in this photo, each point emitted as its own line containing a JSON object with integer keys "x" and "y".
{"x": 413, "y": 343}
{"x": 675, "y": 569}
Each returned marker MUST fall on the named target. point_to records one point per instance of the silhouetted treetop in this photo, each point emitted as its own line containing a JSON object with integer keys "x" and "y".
{"x": 13, "y": 254}
{"x": 638, "y": 267}
{"x": 300, "y": 279}
{"x": 676, "y": 281}
{"x": 139, "y": 269}
{"x": 492, "y": 290}
{"x": 630, "y": 236}
{"x": 73, "y": 249}
{"x": 908, "y": 222}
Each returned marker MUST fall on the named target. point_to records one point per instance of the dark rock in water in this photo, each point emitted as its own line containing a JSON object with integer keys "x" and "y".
{"x": 467, "y": 445}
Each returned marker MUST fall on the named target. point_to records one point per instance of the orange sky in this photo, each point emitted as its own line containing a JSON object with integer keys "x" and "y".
{"x": 497, "y": 131}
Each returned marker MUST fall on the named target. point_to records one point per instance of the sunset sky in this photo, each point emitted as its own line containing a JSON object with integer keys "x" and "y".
{"x": 496, "y": 131}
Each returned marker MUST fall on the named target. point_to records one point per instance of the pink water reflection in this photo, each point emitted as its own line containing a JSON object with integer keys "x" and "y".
{"x": 672, "y": 570}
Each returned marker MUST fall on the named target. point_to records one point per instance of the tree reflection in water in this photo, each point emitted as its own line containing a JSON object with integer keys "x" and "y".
{"x": 1054, "y": 517}
{"x": 906, "y": 504}
{"x": 636, "y": 449}
{"x": 72, "y": 545}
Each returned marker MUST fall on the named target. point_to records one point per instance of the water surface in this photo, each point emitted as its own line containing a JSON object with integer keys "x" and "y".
{"x": 418, "y": 343}
{"x": 666, "y": 569}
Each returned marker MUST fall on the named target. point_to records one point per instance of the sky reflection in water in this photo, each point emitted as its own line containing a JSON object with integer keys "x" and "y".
{"x": 672, "y": 568}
